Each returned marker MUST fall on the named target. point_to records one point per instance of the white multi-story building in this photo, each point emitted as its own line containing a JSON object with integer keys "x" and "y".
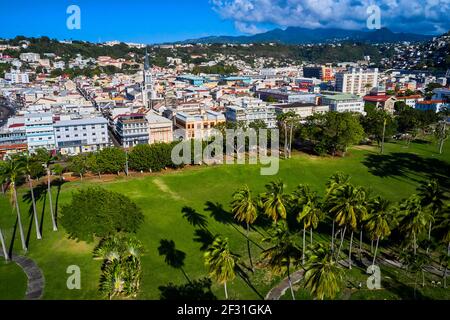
{"x": 30, "y": 57}
{"x": 357, "y": 81}
{"x": 344, "y": 103}
{"x": 15, "y": 77}
{"x": 81, "y": 135}
{"x": 250, "y": 111}
{"x": 39, "y": 131}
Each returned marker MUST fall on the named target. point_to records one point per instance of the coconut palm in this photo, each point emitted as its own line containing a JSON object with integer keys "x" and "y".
{"x": 282, "y": 120}
{"x": 414, "y": 219}
{"x": 379, "y": 219}
{"x": 273, "y": 201}
{"x": 322, "y": 273}
{"x": 336, "y": 181}
{"x": 221, "y": 262}
{"x": 45, "y": 158}
{"x": 282, "y": 253}
{"x": 245, "y": 209}
{"x": 432, "y": 197}
{"x": 11, "y": 171}
{"x": 307, "y": 204}
{"x": 2, "y": 240}
{"x": 29, "y": 170}
{"x": 347, "y": 204}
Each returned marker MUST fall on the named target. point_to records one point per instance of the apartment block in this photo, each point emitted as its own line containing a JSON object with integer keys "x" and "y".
{"x": 357, "y": 81}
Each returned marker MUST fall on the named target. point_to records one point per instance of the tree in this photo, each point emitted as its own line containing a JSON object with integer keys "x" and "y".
{"x": 121, "y": 270}
{"x": 378, "y": 124}
{"x": 273, "y": 201}
{"x": 347, "y": 204}
{"x": 414, "y": 220}
{"x": 221, "y": 262}
{"x": 30, "y": 170}
{"x": 245, "y": 209}
{"x": 441, "y": 134}
{"x": 79, "y": 165}
{"x": 96, "y": 212}
{"x": 11, "y": 171}
{"x": 322, "y": 273}
{"x": 379, "y": 220}
{"x": 172, "y": 256}
{"x": 309, "y": 212}
{"x": 282, "y": 252}
{"x": 111, "y": 160}
{"x": 45, "y": 158}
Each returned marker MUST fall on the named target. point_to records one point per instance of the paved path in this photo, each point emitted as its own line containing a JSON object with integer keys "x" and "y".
{"x": 36, "y": 280}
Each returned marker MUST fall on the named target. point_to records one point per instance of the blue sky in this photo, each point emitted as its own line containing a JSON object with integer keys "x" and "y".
{"x": 150, "y": 21}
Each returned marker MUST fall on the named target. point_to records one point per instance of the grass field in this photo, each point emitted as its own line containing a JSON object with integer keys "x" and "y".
{"x": 162, "y": 197}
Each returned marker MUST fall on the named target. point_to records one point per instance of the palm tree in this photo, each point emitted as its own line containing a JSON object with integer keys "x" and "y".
{"x": 11, "y": 171}
{"x": 46, "y": 159}
{"x": 282, "y": 252}
{"x": 322, "y": 273}
{"x": 336, "y": 181}
{"x": 347, "y": 204}
{"x": 221, "y": 262}
{"x": 28, "y": 168}
{"x": 414, "y": 219}
{"x": 245, "y": 209}
{"x": 379, "y": 220}
{"x": 307, "y": 204}
{"x": 282, "y": 120}
{"x": 432, "y": 197}
{"x": 273, "y": 201}
{"x": 2, "y": 240}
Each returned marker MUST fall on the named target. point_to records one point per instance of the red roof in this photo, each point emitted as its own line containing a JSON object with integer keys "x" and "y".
{"x": 376, "y": 98}
{"x": 17, "y": 125}
{"x": 430, "y": 101}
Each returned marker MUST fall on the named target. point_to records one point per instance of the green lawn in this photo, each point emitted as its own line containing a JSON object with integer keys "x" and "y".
{"x": 162, "y": 197}
{"x": 13, "y": 281}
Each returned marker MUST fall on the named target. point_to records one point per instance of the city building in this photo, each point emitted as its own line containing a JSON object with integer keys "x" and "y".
{"x": 160, "y": 128}
{"x": 13, "y": 141}
{"x": 343, "y": 102}
{"x": 196, "y": 126}
{"x": 410, "y": 101}
{"x": 39, "y": 131}
{"x": 286, "y": 96}
{"x": 132, "y": 130}
{"x": 81, "y": 135}
{"x": 432, "y": 105}
{"x": 30, "y": 57}
{"x": 303, "y": 110}
{"x": 357, "y": 81}
{"x": 384, "y": 102}
{"x": 250, "y": 111}
{"x": 324, "y": 73}
{"x": 17, "y": 77}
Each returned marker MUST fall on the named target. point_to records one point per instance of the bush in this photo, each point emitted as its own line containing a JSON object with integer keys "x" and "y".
{"x": 96, "y": 212}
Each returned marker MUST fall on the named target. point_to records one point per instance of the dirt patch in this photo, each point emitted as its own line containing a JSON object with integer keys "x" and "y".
{"x": 165, "y": 188}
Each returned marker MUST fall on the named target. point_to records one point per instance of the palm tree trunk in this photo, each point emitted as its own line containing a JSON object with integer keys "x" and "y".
{"x": 376, "y": 250}
{"x": 304, "y": 244}
{"x": 445, "y": 277}
{"x": 290, "y": 141}
{"x": 371, "y": 246}
{"x": 342, "y": 242}
{"x": 2, "y": 240}
{"x": 311, "y": 234}
{"x": 414, "y": 243}
{"x": 429, "y": 236}
{"x": 285, "y": 141}
{"x": 226, "y": 290}
{"x": 248, "y": 248}
{"x": 360, "y": 244}
{"x": 33, "y": 200}
{"x": 289, "y": 280}
{"x": 332, "y": 238}
{"x": 423, "y": 278}
{"x": 19, "y": 221}
{"x": 49, "y": 190}
{"x": 350, "y": 252}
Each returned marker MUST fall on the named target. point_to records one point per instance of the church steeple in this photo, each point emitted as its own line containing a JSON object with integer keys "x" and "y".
{"x": 146, "y": 61}
{"x": 148, "y": 85}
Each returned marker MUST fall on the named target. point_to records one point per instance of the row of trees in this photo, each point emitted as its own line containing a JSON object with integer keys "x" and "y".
{"x": 347, "y": 209}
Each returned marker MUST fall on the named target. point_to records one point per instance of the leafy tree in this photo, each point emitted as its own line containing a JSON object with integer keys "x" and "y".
{"x": 79, "y": 165}
{"x": 111, "y": 160}
{"x": 322, "y": 274}
{"x": 273, "y": 201}
{"x": 245, "y": 209}
{"x": 379, "y": 125}
{"x": 96, "y": 212}
{"x": 221, "y": 262}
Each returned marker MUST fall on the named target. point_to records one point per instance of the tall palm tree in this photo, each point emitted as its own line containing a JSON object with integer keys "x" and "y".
{"x": 323, "y": 275}
{"x": 273, "y": 201}
{"x": 433, "y": 198}
{"x": 307, "y": 204}
{"x": 414, "y": 219}
{"x": 282, "y": 120}
{"x": 282, "y": 253}
{"x": 336, "y": 181}
{"x": 245, "y": 209}
{"x": 11, "y": 171}
{"x": 2, "y": 240}
{"x": 28, "y": 170}
{"x": 347, "y": 204}
{"x": 379, "y": 220}
{"x": 46, "y": 159}
{"x": 221, "y": 262}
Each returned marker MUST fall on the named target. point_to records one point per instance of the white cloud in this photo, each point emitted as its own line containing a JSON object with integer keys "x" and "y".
{"x": 399, "y": 15}
{"x": 248, "y": 28}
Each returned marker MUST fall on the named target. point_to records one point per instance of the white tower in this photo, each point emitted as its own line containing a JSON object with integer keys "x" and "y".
{"x": 148, "y": 85}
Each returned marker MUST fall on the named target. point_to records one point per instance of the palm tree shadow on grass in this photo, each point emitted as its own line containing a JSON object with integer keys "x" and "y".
{"x": 58, "y": 183}
{"x": 172, "y": 256}
{"x": 40, "y": 194}
{"x": 402, "y": 290}
{"x": 244, "y": 276}
{"x": 13, "y": 238}
{"x": 205, "y": 237}
{"x": 197, "y": 220}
